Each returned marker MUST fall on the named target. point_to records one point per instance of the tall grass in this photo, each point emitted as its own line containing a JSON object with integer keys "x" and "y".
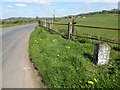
{"x": 66, "y": 64}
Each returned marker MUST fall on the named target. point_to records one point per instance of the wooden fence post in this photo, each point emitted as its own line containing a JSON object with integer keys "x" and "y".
{"x": 45, "y": 23}
{"x": 49, "y": 25}
{"x": 69, "y": 30}
{"x": 42, "y": 23}
{"x": 39, "y": 23}
{"x": 73, "y": 29}
{"x": 101, "y": 53}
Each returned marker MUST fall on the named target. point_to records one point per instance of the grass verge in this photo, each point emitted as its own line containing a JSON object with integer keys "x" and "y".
{"x": 0, "y": 26}
{"x": 67, "y": 64}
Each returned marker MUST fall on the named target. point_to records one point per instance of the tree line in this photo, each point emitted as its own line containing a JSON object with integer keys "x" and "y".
{"x": 113, "y": 11}
{"x": 19, "y": 20}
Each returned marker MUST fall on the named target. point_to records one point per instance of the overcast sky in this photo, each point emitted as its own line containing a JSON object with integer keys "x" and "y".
{"x": 46, "y": 8}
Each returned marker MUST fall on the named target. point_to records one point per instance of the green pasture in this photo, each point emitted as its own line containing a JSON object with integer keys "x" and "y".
{"x": 102, "y": 20}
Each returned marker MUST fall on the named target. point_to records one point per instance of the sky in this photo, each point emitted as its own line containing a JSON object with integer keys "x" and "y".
{"x": 47, "y": 8}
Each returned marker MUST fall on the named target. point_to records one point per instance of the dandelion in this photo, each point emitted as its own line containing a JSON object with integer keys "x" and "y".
{"x": 90, "y": 82}
{"x": 58, "y": 55}
{"x": 35, "y": 40}
{"x": 67, "y": 47}
{"x": 53, "y": 40}
{"x": 95, "y": 80}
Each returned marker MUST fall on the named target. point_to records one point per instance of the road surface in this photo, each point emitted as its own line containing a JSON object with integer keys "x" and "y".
{"x": 17, "y": 70}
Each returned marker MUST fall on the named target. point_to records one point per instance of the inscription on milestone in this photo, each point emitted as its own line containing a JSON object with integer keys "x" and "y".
{"x": 101, "y": 53}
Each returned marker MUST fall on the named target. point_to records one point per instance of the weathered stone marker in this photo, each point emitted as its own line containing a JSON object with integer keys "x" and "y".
{"x": 101, "y": 53}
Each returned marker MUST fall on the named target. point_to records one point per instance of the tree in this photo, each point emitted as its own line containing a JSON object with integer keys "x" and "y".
{"x": 37, "y": 18}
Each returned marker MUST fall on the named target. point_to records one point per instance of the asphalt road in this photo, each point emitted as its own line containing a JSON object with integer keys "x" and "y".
{"x": 17, "y": 70}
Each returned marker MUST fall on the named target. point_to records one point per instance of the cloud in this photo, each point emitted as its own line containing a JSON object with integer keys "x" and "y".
{"x": 41, "y": 1}
{"x": 46, "y": 1}
{"x": 90, "y": 1}
{"x": 21, "y": 5}
{"x": 112, "y": 1}
{"x": 9, "y": 6}
{"x": 16, "y": 5}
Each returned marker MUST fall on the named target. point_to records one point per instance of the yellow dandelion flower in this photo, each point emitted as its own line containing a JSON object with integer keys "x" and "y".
{"x": 67, "y": 47}
{"x": 35, "y": 40}
{"x": 58, "y": 55}
{"x": 53, "y": 40}
{"x": 90, "y": 82}
{"x": 95, "y": 80}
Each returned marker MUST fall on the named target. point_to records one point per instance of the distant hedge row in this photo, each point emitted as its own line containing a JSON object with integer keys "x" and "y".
{"x": 15, "y": 21}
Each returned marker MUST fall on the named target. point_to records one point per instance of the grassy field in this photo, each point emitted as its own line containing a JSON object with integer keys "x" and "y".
{"x": 103, "y": 20}
{"x": 67, "y": 64}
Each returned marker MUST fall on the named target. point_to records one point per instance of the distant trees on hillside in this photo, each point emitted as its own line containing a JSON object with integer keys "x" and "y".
{"x": 37, "y": 18}
{"x": 19, "y": 20}
{"x": 113, "y": 11}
